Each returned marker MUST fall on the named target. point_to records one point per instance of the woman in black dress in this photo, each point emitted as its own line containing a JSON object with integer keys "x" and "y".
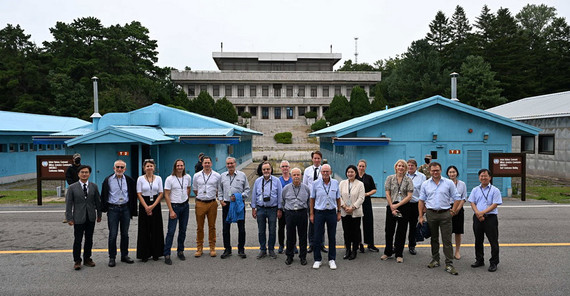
{"x": 150, "y": 240}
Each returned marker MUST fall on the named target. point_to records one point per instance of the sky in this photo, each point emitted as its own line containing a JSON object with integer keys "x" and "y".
{"x": 187, "y": 32}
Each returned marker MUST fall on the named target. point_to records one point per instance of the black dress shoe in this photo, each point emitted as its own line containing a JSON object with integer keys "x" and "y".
{"x": 280, "y": 250}
{"x": 372, "y": 248}
{"x": 181, "y": 256}
{"x": 155, "y": 258}
{"x": 346, "y": 254}
{"x": 127, "y": 260}
{"x": 241, "y": 254}
{"x": 310, "y": 249}
{"x": 353, "y": 255}
{"x": 144, "y": 259}
{"x": 492, "y": 267}
{"x": 226, "y": 254}
{"x": 112, "y": 262}
{"x": 324, "y": 250}
{"x": 478, "y": 264}
{"x": 303, "y": 261}
{"x": 361, "y": 248}
{"x": 289, "y": 260}
{"x": 413, "y": 251}
{"x": 167, "y": 260}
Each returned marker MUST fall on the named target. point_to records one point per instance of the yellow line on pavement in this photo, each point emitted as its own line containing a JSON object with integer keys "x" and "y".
{"x": 256, "y": 248}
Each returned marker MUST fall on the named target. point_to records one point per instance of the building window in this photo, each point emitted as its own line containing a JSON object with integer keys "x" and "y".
{"x": 3, "y": 148}
{"x": 290, "y": 91}
{"x": 325, "y": 91}
{"x": 302, "y": 111}
{"x": 33, "y": 147}
{"x": 265, "y": 112}
{"x": 546, "y": 144}
{"x": 252, "y": 92}
{"x": 253, "y": 111}
{"x": 203, "y": 87}
{"x": 228, "y": 91}
{"x": 301, "y": 92}
{"x": 265, "y": 90}
{"x": 216, "y": 90}
{"x": 277, "y": 90}
{"x": 240, "y": 91}
{"x": 289, "y": 111}
{"x": 240, "y": 110}
{"x": 277, "y": 112}
{"x": 23, "y": 147}
{"x": 337, "y": 90}
{"x": 191, "y": 90}
{"x": 313, "y": 91}
{"x": 315, "y": 109}
{"x": 527, "y": 144}
{"x": 41, "y": 147}
{"x": 13, "y": 147}
{"x": 348, "y": 91}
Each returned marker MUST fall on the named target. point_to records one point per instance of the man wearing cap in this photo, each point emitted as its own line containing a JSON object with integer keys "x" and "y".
{"x": 198, "y": 166}
{"x": 71, "y": 174}
{"x": 424, "y": 168}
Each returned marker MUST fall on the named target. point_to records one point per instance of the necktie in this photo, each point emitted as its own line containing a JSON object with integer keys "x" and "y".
{"x": 85, "y": 190}
{"x": 315, "y": 175}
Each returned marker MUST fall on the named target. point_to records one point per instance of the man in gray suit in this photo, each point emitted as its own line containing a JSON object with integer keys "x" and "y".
{"x": 83, "y": 207}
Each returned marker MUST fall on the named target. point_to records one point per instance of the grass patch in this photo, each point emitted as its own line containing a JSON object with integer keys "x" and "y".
{"x": 544, "y": 189}
{"x": 22, "y": 196}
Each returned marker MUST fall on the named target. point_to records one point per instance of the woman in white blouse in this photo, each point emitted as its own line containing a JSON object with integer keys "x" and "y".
{"x": 351, "y": 199}
{"x": 150, "y": 239}
{"x": 458, "y": 221}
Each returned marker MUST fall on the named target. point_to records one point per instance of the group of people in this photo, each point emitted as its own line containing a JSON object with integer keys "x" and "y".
{"x": 305, "y": 204}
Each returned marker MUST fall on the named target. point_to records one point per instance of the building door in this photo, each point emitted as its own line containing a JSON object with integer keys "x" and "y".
{"x": 277, "y": 112}
{"x": 289, "y": 111}
{"x": 264, "y": 112}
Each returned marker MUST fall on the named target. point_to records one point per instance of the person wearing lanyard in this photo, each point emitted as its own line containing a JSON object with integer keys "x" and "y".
{"x": 232, "y": 182}
{"x": 176, "y": 193}
{"x": 294, "y": 201}
{"x": 150, "y": 238}
{"x": 205, "y": 184}
{"x": 436, "y": 195}
{"x": 351, "y": 199}
{"x": 458, "y": 220}
{"x": 417, "y": 178}
{"x": 311, "y": 174}
{"x": 264, "y": 203}
{"x": 281, "y": 221}
{"x": 119, "y": 201}
{"x": 484, "y": 200}
{"x": 399, "y": 189}
{"x": 325, "y": 209}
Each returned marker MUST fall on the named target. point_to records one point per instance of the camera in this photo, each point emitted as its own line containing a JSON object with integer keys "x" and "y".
{"x": 266, "y": 199}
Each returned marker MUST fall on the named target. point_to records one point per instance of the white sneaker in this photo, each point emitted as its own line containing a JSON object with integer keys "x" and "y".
{"x": 332, "y": 264}
{"x": 317, "y": 264}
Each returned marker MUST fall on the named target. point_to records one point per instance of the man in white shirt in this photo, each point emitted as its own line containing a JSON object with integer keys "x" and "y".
{"x": 205, "y": 186}
{"x": 311, "y": 174}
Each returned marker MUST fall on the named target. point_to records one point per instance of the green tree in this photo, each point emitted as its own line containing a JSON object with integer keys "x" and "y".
{"x": 339, "y": 110}
{"x": 204, "y": 104}
{"x": 350, "y": 66}
{"x": 224, "y": 110}
{"x": 477, "y": 85}
{"x": 359, "y": 102}
{"x": 439, "y": 31}
{"x": 462, "y": 42}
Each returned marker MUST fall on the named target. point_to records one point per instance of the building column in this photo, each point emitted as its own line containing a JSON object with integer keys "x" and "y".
{"x": 320, "y": 112}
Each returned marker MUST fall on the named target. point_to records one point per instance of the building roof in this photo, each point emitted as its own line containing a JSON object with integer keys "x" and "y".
{"x": 545, "y": 106}
{"x": 359, "y": 123}
{"x": 26, "y": 123}
{"x": 249, "y": 60}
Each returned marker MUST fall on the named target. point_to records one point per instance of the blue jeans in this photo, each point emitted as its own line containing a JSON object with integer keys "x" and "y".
{"x": 182, "y": 213}
{"x": 266, "y": 215}
{"x": 118, "y": 216}
{"x": 323, "y": 217}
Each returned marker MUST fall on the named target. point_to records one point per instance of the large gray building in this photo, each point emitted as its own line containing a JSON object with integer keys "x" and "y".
{"x": 275, "y": 85}
{"x": 548, "y": 154}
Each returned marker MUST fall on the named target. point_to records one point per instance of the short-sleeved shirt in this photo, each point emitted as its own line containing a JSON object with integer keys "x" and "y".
{"x": 417, "y": 178}
{"x": 461, "y": 189}
{"x": 146, "y": 188}
{"x": 228, "y": 185}
{"x": 178, "y": 188}
{"x": 206, "y": 185}
{"x": 398, "y": 191}
{"x": 439, "y": 196}
{"x": 485, "y": 197}
{"x": 368, "y": 182}
{"x": 295, "y": 197}
{"x": 325, "y": 195}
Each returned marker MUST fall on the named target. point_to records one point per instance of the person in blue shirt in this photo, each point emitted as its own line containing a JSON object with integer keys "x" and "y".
{"x": 325, "y": 209}
{"x": 264, "y": 203}
{"x": 484, "y": 200}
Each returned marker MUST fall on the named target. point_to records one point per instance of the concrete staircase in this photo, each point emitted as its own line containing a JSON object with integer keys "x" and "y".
{"x": 298, "y": 127}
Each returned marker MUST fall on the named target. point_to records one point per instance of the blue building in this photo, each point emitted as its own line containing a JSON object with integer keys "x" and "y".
{"x": 451, "y": 132}
{"x": 155, "y": 132}
{"x": 17, "y": 149}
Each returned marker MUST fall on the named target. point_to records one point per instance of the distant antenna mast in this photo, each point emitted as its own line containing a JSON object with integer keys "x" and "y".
{"x": 221, "y": 47}
{"x": 331, "y": 48}
{"x": 356, "y": 50}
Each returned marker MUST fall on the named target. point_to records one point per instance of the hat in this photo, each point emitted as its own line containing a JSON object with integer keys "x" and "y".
{"x": 76, "y": 155}
{"x": 428, "y": 156}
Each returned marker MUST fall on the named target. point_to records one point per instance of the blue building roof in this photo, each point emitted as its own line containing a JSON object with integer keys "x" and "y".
{"x": 359, "y": 123}
{"x": 33, "y": 124}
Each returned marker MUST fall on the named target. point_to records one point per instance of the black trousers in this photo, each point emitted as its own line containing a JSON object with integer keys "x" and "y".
{"x": 296, "y": 222}
{"x": 368, "y": 221}
{"x": 399, "y": 226}
{"x": 281, "y": 229}
{"x": 489, "y": 227}
{"x": 226, "y": 226}
{"x": 79, "y": 230}
{"x": 351, "y": 231}
{"x": 413, "y": 214}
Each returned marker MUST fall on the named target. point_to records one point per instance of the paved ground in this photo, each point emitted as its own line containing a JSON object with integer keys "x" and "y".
{"x": 35, "y": 259}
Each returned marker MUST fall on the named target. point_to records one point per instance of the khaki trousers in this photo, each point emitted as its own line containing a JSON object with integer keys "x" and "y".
{"x": 203, "y": 210}
{"x": 440, "y": 221}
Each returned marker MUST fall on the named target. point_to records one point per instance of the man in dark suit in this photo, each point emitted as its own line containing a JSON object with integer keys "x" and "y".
{"x": 119, "y": 201}
{"x": 82, "y": 208}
